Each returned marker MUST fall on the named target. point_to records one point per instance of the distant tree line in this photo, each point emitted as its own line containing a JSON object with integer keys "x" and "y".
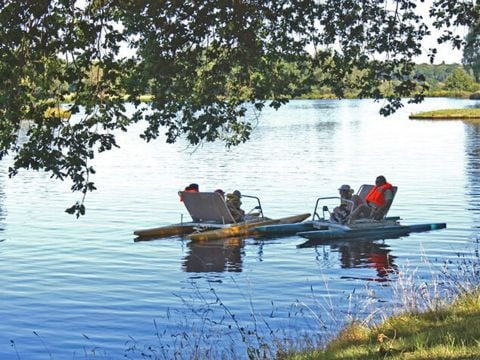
{"x": 453, "y": 80}
{"x": 438, "y": 78}
{"x": 435, "y": 74}
{"x": 204, "y": 63}
{"x": 471, "y": 51}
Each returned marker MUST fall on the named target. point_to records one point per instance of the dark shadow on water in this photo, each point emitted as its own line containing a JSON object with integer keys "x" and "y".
{"x": 214, "y": 256}
{"x": 363, "y": 253}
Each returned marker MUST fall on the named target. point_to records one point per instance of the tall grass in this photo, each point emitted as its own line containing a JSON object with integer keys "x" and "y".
{"x": 206, "y": 328}
{"x": 435, "y": 317}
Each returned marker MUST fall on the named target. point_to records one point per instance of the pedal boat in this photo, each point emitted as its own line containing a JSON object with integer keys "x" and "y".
{"x": 363, "y": 229}
{"x": 212, "y": 220}
{"x": 320, "y": 228}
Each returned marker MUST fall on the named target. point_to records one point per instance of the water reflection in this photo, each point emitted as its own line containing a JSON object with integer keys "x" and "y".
{"x": 214, "y": 256}
{"x": 326, "y": 129}
{"x": 472, "y": 150}
{"x": 3, "y": 176}
{"x": 474, "y": 105}
{"x": 364, "y": 253}
{"x": 358, "y": 254}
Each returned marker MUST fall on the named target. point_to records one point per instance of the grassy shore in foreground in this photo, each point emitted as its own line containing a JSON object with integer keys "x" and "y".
{"x": 451, "y": 332}
{"x": 448, "y": 114}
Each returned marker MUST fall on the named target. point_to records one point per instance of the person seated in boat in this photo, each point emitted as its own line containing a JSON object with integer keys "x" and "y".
{"x": 348, "y": 201}
{"x": 234, "y": 205}
{"x": 190, "y": 188}
{"x": 377, "y": 201}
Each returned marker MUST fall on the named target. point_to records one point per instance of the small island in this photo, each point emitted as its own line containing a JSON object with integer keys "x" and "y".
{"x": 448, "y": 114}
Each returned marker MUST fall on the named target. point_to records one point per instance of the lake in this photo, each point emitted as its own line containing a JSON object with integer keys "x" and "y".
{"x": 82, "y": 288}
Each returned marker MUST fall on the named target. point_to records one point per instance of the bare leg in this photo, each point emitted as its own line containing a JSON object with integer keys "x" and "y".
{"x": 362, "y": 211}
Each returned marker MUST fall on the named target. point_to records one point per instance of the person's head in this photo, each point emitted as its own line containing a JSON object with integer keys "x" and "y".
{"x": 380, "y": 180}
{"x": 193, "y": 187}
{"x": 221, "y": 192}
{"x": 345, "y": 191}
{"x": 237, "y": 193}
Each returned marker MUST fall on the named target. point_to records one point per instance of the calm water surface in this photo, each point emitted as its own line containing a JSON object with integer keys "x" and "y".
{"x": 83, "y": 288}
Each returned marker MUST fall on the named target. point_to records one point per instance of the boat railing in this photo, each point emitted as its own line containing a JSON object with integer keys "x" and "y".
{"x": 258, "y": 207}
{"x": 316, "y": 215}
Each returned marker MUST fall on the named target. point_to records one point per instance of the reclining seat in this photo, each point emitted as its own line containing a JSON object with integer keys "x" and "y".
{"x": 365, "y": 189}
{"x": 207, "y": 207}
{"x": 394, "y": 190}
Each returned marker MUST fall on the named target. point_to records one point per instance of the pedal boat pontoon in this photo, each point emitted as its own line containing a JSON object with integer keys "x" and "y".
{"x": 321, "y": 228}
{"x": 212, "y": 220}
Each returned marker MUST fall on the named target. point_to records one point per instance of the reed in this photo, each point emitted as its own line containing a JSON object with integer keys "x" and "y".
{"x": 434, "y": 319}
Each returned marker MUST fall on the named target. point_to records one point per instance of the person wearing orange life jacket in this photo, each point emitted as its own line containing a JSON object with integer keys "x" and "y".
{"x": 190, "y": 188}
{"x": 377, "y": 201}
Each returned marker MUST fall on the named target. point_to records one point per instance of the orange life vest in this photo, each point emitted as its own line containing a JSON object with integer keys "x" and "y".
{"x": 187, "y": 190}
{"x": 377, "y": 194}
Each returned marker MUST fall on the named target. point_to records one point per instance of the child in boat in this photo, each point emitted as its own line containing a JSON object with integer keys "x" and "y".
{"x": 234, "y": 205}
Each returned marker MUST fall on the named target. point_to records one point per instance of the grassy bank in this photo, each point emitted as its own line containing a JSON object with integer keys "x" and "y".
{"x": 450, "y": 332}
{"x": 449, "y": 114}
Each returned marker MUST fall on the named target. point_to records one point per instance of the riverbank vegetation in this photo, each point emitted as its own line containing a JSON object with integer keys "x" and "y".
{"x": 449, "y": 332}
{"x": 425, "y": 318}
{"x": 434, "y": 318}
{"x": 431, "y": 320}
{"x": 449, "y": 114}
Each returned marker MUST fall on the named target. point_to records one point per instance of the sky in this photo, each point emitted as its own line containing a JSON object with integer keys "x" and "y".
{"x": 446, "y": 53}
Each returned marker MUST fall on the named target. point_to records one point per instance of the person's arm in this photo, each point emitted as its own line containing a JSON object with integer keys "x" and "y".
{"x": 380, "y": 212}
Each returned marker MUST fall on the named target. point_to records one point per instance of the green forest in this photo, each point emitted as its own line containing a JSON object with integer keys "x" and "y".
{"x": 449, "y": 80}
{"x": 440, "y": 80}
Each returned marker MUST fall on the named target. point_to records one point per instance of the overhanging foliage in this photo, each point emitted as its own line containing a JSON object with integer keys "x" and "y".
{"x": 204, "y": 63}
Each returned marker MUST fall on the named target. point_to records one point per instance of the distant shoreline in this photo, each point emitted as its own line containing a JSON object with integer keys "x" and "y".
{"x": 448, "y": 114}
{"x": 326, "y": 95}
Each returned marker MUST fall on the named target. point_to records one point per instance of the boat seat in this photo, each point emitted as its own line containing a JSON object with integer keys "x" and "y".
{"x": 394, "y": 190}
{"x": 364, "y": 189}
{"x": 207, "y": 207}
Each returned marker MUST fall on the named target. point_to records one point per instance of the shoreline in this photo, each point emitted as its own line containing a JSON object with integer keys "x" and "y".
{"x": 447, "y": 114}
